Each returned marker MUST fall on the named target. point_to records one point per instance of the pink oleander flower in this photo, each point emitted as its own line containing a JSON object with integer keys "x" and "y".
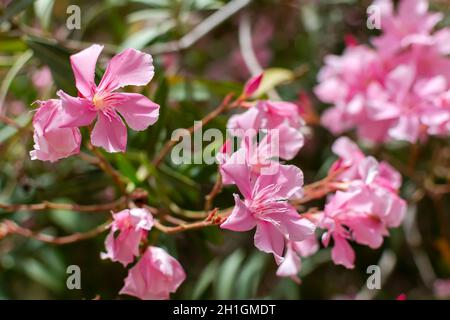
{"x": 265, "y": 205}
{"x": 290, "y": 265}
{"x": 42, "y": 79}
{"x": 353, "y": 165}
{"x": 390, "y": 92}
{"x": 411, "y": 25}
{"x": 346, "y": 81}
{"x": 437, "y": 118}
{"x": 129, "y": 227}
{"x": 261, "y": 158}
{"x": 367, "y": 209}
{"x": 155, "y": 276}
{"x": 51, "y": 142}
{"x": 130, "y": 67}
{"x": 280, "y": 116}
{"x": 441, "y": 288}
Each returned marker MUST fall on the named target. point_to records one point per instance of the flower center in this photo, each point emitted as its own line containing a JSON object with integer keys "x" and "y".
{"x": 99, "y": 102}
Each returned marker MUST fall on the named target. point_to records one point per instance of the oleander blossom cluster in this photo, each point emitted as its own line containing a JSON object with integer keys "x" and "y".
{"x": 396, "y": 89}
{"x": 363, "y": 211}
{"x": 365, "y": 207}
{"x": 368, "y": 207}
{"x": 156, "y": 274}
{"x": 57, "y": 121}
{"x": 268, "y": 133}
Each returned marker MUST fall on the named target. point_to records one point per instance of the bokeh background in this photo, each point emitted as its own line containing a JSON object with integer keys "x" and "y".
{"x": 290, "y": 39}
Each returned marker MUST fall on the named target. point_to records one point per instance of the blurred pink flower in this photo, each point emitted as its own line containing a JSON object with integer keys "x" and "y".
{"x": 130, "y": 67}
{"x": 282, "y": 118}
{"x": 51, "y": 142}
{"x": 353, "y": 165}
{"x": 411, "y": 24}
{"x": 129, "y": 227}
{"x": 391, "y": 92}
{"x": 344, "y": 82}
{"x": 5, "y": 3}
{"x": 265, "y": 206}
{"x": 441, "y": 288}
{"x": 290, "y": 265}
{"x": 42, "y": 78}
{"x": 437, "y": 119}
{"x": 155, "y": 276}
{"x": 367, "y": 209}
{"x": 16, "y": 107}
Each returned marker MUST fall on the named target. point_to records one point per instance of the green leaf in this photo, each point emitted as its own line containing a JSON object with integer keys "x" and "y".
{"x": 57, "y": 58}
{"x": 11, "y": 45}
{"x": 228, "y": 274}
{"x": 311, "y": 263}
{"x": 39, "y": 272}
{"x": 12, "y": 73}
{"x": 43, "y": 10}
{"x": 14, "y": 8}
{"x": 273, "y": 77}
{"x": 126, "y": 168}
{"x": 310, "y": 17}
{"x": 156, "y": 130}
{"x": 250, "y": 276}
{"x": 206, "y": 278}
{"x": 148, "y": 14}
{"x": 8, "y": 131}
{"x": 144, "y": 37}
{"x": 154, "y": 3}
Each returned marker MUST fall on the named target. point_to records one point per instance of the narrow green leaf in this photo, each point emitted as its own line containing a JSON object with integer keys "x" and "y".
{"x": 14, "y": 8}
{"x": 43, "y": 10}
{"x": 228, "y": 274}
{"x": 206, "y": 278}
{"x": 250, "y": 276}
{"x": 273, "y": 77}
{"x": 156, "y": 130}
{"x": 57, "y": 58}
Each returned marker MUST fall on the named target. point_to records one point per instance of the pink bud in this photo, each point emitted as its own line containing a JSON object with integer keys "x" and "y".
{"x": 252, "y": 85}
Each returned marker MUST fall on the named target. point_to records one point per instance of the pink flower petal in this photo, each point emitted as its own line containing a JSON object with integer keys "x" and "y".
{"x": 269, "y": 239}
{"x": 83, "y": 66}
{"x": 138, "y": 111}
{"x": 110, "y": 133}
{"x": 291, "y": 141}
{"x": 291, "y": 264}
{"x": 78, "y": 112}
{"x": 240, "y": 218}
{"x": 129, "y": 68}
{"x": 342, "y": 253}
{"x": 155, "y": 276}
{"x": 51, "y": 142}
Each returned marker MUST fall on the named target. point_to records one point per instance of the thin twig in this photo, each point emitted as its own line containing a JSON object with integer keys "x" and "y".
{"x": 321, "y": 188}
{"x": 64, "y": 206}
{"x": 214, "y": 218}
{"x": 106, "y": 166}
{"x": 225, "y": 105}
{"x": 10, "y": 227}
{"x": 187, "y": 213}
{"x": 209, "y": 198}
{"x": 10, "y": 122}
